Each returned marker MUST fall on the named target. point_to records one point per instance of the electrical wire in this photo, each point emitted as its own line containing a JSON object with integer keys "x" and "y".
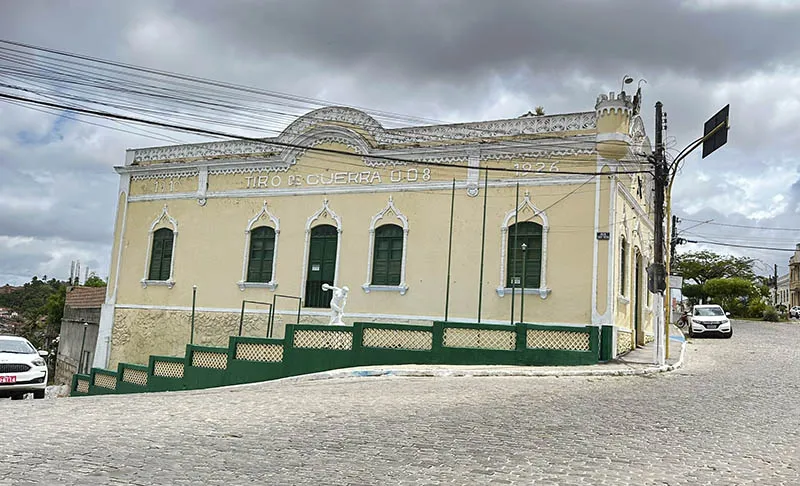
{"x": 203, "y": 131}
{"x": 56, "y": 66}
{"x": 741, "y": 225}
{"x": 732, "y": 245}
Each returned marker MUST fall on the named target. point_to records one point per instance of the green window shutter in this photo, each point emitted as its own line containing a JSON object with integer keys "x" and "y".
{"x": 161, "y": 255}
{"x": 387, "y": 260}
{"x": 622, "y": 269}
{"x": 262, "y": 252}
{"x": 530, "y": 234}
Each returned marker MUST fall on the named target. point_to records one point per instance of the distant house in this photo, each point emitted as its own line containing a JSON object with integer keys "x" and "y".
{"x": 78, "y": 335}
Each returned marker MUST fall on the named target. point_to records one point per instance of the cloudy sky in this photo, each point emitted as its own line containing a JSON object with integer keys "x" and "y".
{"x": 438, "y": 59}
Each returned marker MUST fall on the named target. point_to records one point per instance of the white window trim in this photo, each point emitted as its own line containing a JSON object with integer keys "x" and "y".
{"x": 543, "y": 291}
{"x": 276, "y": 225}
{"x": 403, "y": 286}
{"x": 325, "y": 209}
{"x": 157, "y": 224}
{"x": 623, "y": 292}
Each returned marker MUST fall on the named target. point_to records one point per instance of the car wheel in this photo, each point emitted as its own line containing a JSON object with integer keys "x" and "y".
{"x": 38, "y": 394}
{"x": 17, "y": 397}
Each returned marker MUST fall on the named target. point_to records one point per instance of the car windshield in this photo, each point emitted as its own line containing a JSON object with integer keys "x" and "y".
{"x": 15, "y": 346}
{"x": 708, "y": 311}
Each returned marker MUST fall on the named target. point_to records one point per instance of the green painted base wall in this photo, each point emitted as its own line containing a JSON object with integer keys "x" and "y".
{"x": 308, "y": 348}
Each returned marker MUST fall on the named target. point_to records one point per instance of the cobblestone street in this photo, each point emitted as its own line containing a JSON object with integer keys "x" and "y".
{"x": 731, "y": 415}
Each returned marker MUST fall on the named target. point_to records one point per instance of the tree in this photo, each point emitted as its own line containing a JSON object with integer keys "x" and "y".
{"x": 40, "y": 304}
{"x": 733, "y": 294}
{"x": 94, "y": 281}
{"x": 539, "y": 111}
{"x": 703, "y": 266}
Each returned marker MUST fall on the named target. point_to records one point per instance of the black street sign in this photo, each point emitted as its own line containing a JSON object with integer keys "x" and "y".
{"x": 719, "y": 138}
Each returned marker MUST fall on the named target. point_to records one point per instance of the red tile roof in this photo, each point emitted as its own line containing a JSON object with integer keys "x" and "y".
{"x": 85, "y": 297}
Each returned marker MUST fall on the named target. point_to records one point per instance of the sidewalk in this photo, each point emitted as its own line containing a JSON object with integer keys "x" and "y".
{"x": 636, "y": 362}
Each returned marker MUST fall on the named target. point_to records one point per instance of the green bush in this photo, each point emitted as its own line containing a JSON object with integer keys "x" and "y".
{"x": 756, "y": 308}
{"x": 771, "y": 315}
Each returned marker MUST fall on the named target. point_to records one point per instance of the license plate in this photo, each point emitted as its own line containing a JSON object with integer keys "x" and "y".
{"x": 8, "y": 379}
{"x": 711, "y": 326}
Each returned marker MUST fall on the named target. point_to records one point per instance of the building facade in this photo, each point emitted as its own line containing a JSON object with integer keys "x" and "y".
{"x": 338, "y": 199}
{"x": 794, "y": 278}
{"x": 780, "y": 295}
{"x": 77, "y": 338}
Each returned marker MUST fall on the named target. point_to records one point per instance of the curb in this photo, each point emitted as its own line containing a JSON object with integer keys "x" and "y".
{"x": 455, "y": 372}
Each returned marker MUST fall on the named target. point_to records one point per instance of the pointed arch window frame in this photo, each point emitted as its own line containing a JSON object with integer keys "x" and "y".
{"x": 325, "y": 209}
{"x": 158, "y": 223}
{"x": 542, "y": 291}
{"x": 402, "y": 287}
{"x": 624, "y": 266}
{"x": 276, "y": 226}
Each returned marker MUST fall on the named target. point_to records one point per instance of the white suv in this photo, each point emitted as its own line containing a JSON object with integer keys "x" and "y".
{"x": 22, "y": 369}
{"x": 794, "y": 311}
{"x": 710, "y": 319}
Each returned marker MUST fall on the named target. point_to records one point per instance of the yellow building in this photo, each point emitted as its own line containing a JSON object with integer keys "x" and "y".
{"x": 339, "y": 199}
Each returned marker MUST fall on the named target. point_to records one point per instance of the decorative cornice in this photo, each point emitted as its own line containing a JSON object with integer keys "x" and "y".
{"x": 371, "y": 134}
{"x": 247, "y": 170}
{"x": 211, "y": 150}
{"x": 164, "y": 174}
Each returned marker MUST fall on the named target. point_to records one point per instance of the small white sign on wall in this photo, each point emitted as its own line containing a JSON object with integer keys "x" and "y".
{"x": 675, "y": 281}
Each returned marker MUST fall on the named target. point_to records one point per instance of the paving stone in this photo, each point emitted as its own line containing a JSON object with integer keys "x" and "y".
{"x": 730, "y": 415}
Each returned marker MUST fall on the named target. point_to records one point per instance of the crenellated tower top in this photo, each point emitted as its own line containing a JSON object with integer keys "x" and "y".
{"x": 614, "y": 114}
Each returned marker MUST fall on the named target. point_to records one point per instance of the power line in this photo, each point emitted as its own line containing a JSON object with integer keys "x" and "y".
{"x": 203, "y": 131}
{"x": 81, "y": 77}
{"x": 741, "y": 225}
{"x": 187, "y": 94}
{"x": 738, "y": 246}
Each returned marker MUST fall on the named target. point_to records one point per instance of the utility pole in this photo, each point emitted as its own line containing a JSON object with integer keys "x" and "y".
{"x": 657, "y": 276}
{"x": 775, "y": 284}
{"x": 674, "y": 239}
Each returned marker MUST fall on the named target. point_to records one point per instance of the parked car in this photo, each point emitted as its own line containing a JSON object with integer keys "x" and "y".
{"x": 794, "y": 311}
{"x": 23, "y": 370}
{"x": 710, "y": 319}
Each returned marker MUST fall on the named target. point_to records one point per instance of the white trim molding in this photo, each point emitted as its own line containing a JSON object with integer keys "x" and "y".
{"x": 524, "y": 206}
{"x": 160, "y": 222}
{"x": 325, "y": 210}
{"x": 264, "y": 213}
{"x": 402, "y": 287}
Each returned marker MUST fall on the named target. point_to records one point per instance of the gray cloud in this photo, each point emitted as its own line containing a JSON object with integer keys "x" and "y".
{"x": 448, "y": 60}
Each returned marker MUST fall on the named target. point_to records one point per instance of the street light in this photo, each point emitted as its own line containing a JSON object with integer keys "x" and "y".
{"x": 625, "y": 80}
{"x": 194, "y": 300}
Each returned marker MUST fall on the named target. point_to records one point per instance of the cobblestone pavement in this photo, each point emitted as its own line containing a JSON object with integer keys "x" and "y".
{"x": 731, "y": 415}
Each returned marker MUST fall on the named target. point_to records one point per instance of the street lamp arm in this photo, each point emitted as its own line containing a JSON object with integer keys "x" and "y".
{"x": 692, "y": 146}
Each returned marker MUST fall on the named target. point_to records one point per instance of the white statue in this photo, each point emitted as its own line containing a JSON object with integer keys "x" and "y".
{"x": 337, "y": 303}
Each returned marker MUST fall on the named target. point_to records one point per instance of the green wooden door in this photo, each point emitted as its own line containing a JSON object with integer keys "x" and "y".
{"x": 321, "y": 265}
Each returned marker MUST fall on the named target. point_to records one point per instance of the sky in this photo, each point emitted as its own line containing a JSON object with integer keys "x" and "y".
{"x": 446, "y": 60}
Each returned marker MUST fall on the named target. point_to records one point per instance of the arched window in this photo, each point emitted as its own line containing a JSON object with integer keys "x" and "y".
{"x": 530, "y": 234}
{"x": 161, "y": 255}
{"x": 387, "y": 260}
{"x": 262, "y": 252}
